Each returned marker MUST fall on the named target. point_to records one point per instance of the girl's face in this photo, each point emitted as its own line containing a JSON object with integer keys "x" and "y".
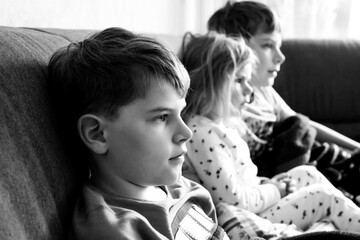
{"x": 241, "y": 88}
{"x": 267, "y": 49}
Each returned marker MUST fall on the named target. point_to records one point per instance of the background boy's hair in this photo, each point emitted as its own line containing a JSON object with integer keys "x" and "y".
{"x": 106, "y": 71}
{"x": 212, "y": 60}
{"x": 245, "y": 18}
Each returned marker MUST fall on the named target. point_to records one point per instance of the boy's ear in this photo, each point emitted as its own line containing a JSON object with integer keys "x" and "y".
{"x": 91, "y": 132}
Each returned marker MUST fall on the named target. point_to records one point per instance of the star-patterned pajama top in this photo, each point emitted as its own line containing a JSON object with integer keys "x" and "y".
{"x": 221, "y": 159}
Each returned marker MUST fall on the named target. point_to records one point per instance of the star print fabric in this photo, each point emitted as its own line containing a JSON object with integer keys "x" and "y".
{"x": 222, "y": 162}
{"x": 221, "y": 159}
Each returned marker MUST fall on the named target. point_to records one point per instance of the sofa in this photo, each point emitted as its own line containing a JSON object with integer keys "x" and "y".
{"x": 321, "y": 79}
{"x": 40, "y": 177}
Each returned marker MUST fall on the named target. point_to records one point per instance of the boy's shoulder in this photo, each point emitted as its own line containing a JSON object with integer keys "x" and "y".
{"x": 101, "y": 216}
{"x": 94, "y": 218}
{"x": 195, "y": 213}
{"x": 185, "y": 190}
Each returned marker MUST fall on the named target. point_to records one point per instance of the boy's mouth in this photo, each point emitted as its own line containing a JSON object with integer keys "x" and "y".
{"x": 273, "y": 72}
{"x": 179, "y": 157}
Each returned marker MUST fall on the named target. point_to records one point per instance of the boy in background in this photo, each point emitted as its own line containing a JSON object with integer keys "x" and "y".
{"x": 278, "y": 137}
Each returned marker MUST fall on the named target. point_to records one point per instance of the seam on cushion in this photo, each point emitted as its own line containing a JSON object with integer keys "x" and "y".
{"x": 50, "y": 33}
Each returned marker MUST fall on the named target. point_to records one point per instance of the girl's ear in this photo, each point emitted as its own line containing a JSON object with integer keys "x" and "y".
{"x": 90, "y": 128}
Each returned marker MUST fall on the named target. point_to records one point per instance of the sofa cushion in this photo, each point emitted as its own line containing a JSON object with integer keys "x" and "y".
{"x": 321, "y": 79}
{"x": 37, "y": 176}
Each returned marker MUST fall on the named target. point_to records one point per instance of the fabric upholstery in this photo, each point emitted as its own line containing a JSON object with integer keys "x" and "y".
{"x": 37, "y": 176}
{"x": 321, "y": 79}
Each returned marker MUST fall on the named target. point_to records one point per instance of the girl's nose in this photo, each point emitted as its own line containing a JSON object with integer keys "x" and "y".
{"x": 248, "y": 92}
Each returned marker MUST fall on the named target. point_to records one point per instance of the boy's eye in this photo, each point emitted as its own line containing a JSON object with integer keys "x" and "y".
{"x": 162, "y": 118}
{"x": 268, "y": 45}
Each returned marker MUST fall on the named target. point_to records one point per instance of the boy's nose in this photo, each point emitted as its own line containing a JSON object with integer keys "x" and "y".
{"x": 280, "y": 57}
{"x": 183, "y": 134}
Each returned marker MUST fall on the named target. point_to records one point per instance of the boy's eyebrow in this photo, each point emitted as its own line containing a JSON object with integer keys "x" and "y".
{"x": 267, "y": 38}
{"x": 164, "y": 109}
{"x": 160, "y": 109}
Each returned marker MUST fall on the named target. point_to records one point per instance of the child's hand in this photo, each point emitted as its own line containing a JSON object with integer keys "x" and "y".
{"x": 290, "y": 185}
{"x": 284, "y": 184}
{"x": 281, "y": 186}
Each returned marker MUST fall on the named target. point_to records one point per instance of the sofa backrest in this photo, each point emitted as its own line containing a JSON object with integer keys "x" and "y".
{"x": 38, "y": 180}
{"x": 321, "y": 79}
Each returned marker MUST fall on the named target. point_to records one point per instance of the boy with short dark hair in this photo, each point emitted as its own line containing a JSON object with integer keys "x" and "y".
{"x": 123, "y": 94}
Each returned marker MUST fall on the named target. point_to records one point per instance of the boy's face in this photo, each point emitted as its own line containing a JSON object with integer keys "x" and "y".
{"x": 267, "y": 48}
{"x": 146, "y": 143}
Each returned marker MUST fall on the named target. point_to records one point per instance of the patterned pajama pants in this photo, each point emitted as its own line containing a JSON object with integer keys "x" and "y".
{"x": 316, "y": 199}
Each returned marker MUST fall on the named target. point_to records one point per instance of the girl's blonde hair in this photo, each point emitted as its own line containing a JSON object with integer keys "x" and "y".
{"x": 212, "y": 61}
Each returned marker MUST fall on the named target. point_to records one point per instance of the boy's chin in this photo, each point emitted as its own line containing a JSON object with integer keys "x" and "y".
{"x": 271, "y": 82}
{"x": 174, "y": 178}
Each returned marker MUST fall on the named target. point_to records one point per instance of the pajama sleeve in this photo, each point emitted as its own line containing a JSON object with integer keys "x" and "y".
{"x": 282, "y": 108}
{"x": 227, "y": 176}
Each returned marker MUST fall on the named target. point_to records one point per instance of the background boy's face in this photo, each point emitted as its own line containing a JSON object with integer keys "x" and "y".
{"x": 147, "y": 140}
{"x": 267, "y": 48}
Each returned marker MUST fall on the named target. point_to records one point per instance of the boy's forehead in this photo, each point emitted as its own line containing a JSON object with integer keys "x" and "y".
{"x": 264, "y": 29}
{"x": 263, "y": 36}
{"x": 158, "y": 92}
{"x": 177, "y": 84}
{"x": 159, "y": 86}
{"x": 159, "y": 96}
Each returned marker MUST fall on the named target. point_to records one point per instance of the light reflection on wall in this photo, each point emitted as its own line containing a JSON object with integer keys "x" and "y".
{"x": 301, "y": 19}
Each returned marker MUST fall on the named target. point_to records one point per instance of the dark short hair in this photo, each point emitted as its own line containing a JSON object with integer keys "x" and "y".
{"x": 111, "y": 69}
{"x": 107, "y": 71}
{"x": 245, "y": 18}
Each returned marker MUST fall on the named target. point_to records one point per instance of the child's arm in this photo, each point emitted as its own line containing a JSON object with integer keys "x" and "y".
{"x": 325, "y": 134}
{"x": 212, "y": 157}
{"x": 281, "y": 107}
